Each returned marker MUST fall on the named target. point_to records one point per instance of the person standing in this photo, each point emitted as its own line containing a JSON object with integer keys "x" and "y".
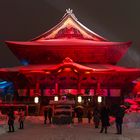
{"x": 119, "y": 114}
{"x": 96, "y": 117}
{"x": 80, "y": 115}
{"x": 45, "y": 115}
{"x": 21, "y": 119}
{"x": 89, "y": 115}
{"x": 11, "y": 119}
{"x": 104, "y": 119}
{"x": 50, "y": 114}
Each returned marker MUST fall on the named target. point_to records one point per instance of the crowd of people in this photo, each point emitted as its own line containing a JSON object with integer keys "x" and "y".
{"x": 11, "y": 119}
{"x": 100, "y": 116}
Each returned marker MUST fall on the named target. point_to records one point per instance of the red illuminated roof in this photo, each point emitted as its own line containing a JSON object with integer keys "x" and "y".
{"x": 68, "y": 65}
{"x": 69, "y": 38}
{"x": 81, "y": 51}
{"x": 69, "y": 27}
{"x": 67, "y": 42}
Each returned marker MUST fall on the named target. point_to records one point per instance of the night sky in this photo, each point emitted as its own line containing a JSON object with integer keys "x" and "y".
{"x": 116, "y": 20}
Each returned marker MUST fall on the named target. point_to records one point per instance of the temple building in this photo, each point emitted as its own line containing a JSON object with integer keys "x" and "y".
{"x": 69, "y": 59}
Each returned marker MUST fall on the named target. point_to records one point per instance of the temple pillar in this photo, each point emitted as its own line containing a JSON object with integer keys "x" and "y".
{"x": 39, "y": 105}
{"x": 79, "y": 87}
{"x": 16, "y": 94}
{"x": 27, "y": 110}
{"x": 98, "y": 90}
{"x": 56, "y": 88}
{"x": 37, "y": 87}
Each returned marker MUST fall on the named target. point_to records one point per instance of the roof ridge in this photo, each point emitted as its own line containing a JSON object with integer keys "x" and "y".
{"x": 72, "y": 22}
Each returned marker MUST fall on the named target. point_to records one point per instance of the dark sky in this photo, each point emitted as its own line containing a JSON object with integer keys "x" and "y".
{"x": 116, "y": 20}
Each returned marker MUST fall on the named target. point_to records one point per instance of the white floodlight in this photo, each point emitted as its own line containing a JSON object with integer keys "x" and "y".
{"x": 79, "y": 99}
{"x": 99, "y": 99}
{"x": 55, "y": 98}
{"x": 36, "y": 100}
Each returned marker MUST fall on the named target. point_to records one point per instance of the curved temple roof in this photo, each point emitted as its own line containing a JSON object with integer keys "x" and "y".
{"x": 68, "y": 70}
{"x": 69, "y": 27}
{"x": 69, "y": 38}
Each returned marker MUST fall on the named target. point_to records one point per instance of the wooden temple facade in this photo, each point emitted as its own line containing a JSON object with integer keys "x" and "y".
{"x": 69, "y": 59}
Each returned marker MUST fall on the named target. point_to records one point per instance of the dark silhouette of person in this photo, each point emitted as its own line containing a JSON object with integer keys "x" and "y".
{"x": 21, "y": 119}
{"x": 104, "y": 118}
{"x": 119, "y": 114}
{"x": 89, "y": 115}
{"x": 73, "y": 115}
{"x": 79, "y": 115}
{"x": 45, "y": 115}
{"x": 96, "y": 117}
{"x": 50, "y": 114}
{"x": 11, "y": 119}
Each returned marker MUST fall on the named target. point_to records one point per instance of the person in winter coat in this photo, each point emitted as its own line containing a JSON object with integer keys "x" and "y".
{"x": 89, "y": 115}
{"x": 45, "y": 115}
{"x": 119, "y": 114}
{"x": 11, "y": 119}
{"x": 80, "y": 115}
{"x": 104, "y": 119}
{"x": 96, "y": 117}
{"x": 21, "y": 119}
{"x": 50, "y": 112}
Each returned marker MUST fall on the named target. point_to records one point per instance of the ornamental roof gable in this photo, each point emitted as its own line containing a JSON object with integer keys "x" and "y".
{"x": 69, "y": 27}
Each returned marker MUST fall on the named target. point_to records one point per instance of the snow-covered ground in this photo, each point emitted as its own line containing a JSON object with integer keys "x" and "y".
{"x": 132, "y": 120}
{"x": 36, "y": 130}
{"x": 3, "y": 121}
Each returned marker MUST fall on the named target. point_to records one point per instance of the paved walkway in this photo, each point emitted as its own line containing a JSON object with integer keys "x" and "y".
{"x": 40, "y": 131}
